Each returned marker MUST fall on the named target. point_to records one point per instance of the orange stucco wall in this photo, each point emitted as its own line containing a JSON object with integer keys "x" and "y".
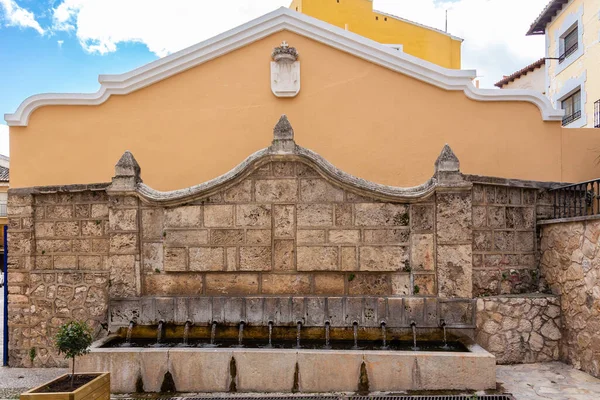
{"x": 365, "y": 119}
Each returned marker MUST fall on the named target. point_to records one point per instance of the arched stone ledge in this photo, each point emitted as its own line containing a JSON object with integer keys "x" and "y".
{"x": 128, "y": 181}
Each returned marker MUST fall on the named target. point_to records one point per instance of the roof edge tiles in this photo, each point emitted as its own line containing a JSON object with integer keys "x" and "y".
{"x": 538, "y": 27}
{"x": 523, "y": 71}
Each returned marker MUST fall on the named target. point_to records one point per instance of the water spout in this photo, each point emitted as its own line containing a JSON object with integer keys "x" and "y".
{"x": 327, "y": 326}
{"x": 213, "y": 333}
{"x": 413, "y": 325}
{"x": 355, "y": 327}
{"x": 186, "y": 332}
{"x": 241, "y": 334}
{"x": 159, "y": 331}
{"x": 383, "y": 335}
{"x": 443, "y": 325}
{"x": 270, "y": 334}
{"x": 129, "y": 331}
{"x": 298, "y": 332}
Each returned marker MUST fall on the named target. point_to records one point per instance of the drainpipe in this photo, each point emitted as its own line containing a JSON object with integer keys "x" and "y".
{"x": 5, "y": 294}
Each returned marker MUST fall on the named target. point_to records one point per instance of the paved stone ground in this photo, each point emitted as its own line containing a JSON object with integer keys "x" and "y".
{"x": 554, "y": 381}
{"x": 545, "y": 381}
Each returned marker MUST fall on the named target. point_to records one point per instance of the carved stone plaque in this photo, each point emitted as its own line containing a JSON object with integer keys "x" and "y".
{"x": 285, "y": 71}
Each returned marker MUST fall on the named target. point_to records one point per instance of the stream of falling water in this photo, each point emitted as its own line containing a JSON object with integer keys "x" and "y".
{"x": 159, "y": 332}
{"x": 355, "y": 326}
{"x": 213, "y": 332}
{"x": 129, "y": 331}
{"x": 327, "y": 346}
{"x": 186, "y": 333}
{"x": 383, "y": 336}
{"x": 414, "y": 331}
{"x": 298, "y": 334}
{"x": 270, "y": 333}
{"x": 241, "y": 335}
{"x": 445, "y": 342}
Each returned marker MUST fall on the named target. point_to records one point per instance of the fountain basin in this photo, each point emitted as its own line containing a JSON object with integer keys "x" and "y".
{"x": 286, "y": 370}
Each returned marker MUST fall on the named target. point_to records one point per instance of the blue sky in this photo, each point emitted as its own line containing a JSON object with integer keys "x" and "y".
{"x": 63, "y": 45}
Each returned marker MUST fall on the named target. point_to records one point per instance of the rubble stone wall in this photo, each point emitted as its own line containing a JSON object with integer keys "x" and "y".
{"x": 570, "y": 267}
{"x": 520, "y": 329}
{"x": 58, "y": 270}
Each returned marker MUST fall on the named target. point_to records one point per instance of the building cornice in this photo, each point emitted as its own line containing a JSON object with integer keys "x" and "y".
{"x": 277, "y": 21}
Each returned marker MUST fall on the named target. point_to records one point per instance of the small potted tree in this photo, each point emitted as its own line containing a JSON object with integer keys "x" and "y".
{"x": 73, "y": 340}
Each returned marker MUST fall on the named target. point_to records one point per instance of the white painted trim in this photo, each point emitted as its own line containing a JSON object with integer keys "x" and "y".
{"x": 569, "y": 22}
{"x": 276, "y": 21}
{"x": 569, "y": 87}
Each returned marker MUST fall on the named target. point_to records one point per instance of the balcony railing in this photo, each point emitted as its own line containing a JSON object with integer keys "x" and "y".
{"x": 578, "y": 200}
{"x": 2, "y": 210}
{"x": 597, "y": 114}
{"x": 568, "y": 52}
{"x": 570, "y": 118}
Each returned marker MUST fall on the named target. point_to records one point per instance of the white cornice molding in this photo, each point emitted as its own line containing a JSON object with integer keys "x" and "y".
{"x": 276, "y": 21}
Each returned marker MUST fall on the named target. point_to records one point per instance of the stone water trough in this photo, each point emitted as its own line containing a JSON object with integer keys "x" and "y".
{"x": 291, "y": 344}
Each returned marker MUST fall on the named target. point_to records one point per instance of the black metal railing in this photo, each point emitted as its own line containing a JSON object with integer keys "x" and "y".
{"x": 597, "y": 114}
{"x": 577, "y": 200}
{"x": 570, "y": 118}
{"x": 568, "y": 52}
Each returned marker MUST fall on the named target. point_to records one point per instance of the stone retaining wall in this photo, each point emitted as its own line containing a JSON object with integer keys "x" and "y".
{"x": 520, "y": 329}
{"x": 570, "y": 266}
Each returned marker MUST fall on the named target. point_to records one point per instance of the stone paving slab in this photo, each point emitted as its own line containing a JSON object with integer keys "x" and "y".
{"x": 543, "y": 381}
{"x": 14, "y": 381}
{"x": 548, "y": 381}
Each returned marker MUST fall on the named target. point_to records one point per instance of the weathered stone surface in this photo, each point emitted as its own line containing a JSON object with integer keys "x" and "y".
{"x": 207, "y": 259}
{"x": 172, "y": 285}
{"x": 218, "y": 216}
{"x": 285, "y": 284}
{"x": 183, "y": 217}
{"x": 123, "y": 243}
{"x": 344, "y": 236}
{"x": 383, "y": 236}
{"x": 349, "y": 259}
{"x": 255, "y": 258}
{"x": 276, "y": 190}
{"x": 319, "y": 190}
{"x": 424, "y": 285}
{"x": 122, "y": 276}
{"x": 44, "y": 229}
{"x": 153, "y": 223}
{"x": 422, "y": 252}
{"x": 343, "y": 214}
{"x": 381, "y": 214}
{"x": 123, "y": 220}
{"x": 188, "y": 238}
{"x": 505, "y": 328}
{"x": 401, "y": 284}
{"x": 422, "y": 217}
{"x": 454, "y": 271}
{"x": 231, "y": 284}
{"x": 175, "y": 259}
{"x": 91, "y": 228}
{"x": 226, "y": 236}
{"x": 152, "y": 256}
{"x": 329, "y": 284}
{"x": 315, "y": 215}
{"x": 283, "y": 258}
{"x": 258, "y": 236}
{"x": 454, "y": 217}
{"x": 255, "y": 215}
{"x": 241, "y": 193}
{"x": 382, "y": 258}
{"x": 284, "y": 221}
{"x": 317, "y": 258}
{"x": 311, "y": 236}
{"x": 496, "y": 217}
{"x": 369, "y": 284}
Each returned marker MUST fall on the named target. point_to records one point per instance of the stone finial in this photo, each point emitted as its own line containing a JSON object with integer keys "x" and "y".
{"x": 447, "y": 161}
{"x": 447, "y": 169}
{"x": 127, "y": 173}
{"x": 283, "y": 136}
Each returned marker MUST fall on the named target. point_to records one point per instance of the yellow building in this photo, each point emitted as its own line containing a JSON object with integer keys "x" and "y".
{"x": 359, "y": 17}
{"x": 572, "y": 59}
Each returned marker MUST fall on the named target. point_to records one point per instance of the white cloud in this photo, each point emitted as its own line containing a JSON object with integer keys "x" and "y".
{"x": 4, "y": 148}
{"x": 18, "y": 16}
{"x": 494, "y": 30}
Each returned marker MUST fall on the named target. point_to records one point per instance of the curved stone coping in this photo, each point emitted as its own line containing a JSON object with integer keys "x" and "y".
{"x": 195, "y": 370}
{"x": 569, "y": 220}
{"x": 325, "y": 168}
{"x": 312, "y": 311}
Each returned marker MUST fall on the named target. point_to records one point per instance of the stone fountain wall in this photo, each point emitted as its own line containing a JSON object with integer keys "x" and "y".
{"x": 284, "y": 236}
